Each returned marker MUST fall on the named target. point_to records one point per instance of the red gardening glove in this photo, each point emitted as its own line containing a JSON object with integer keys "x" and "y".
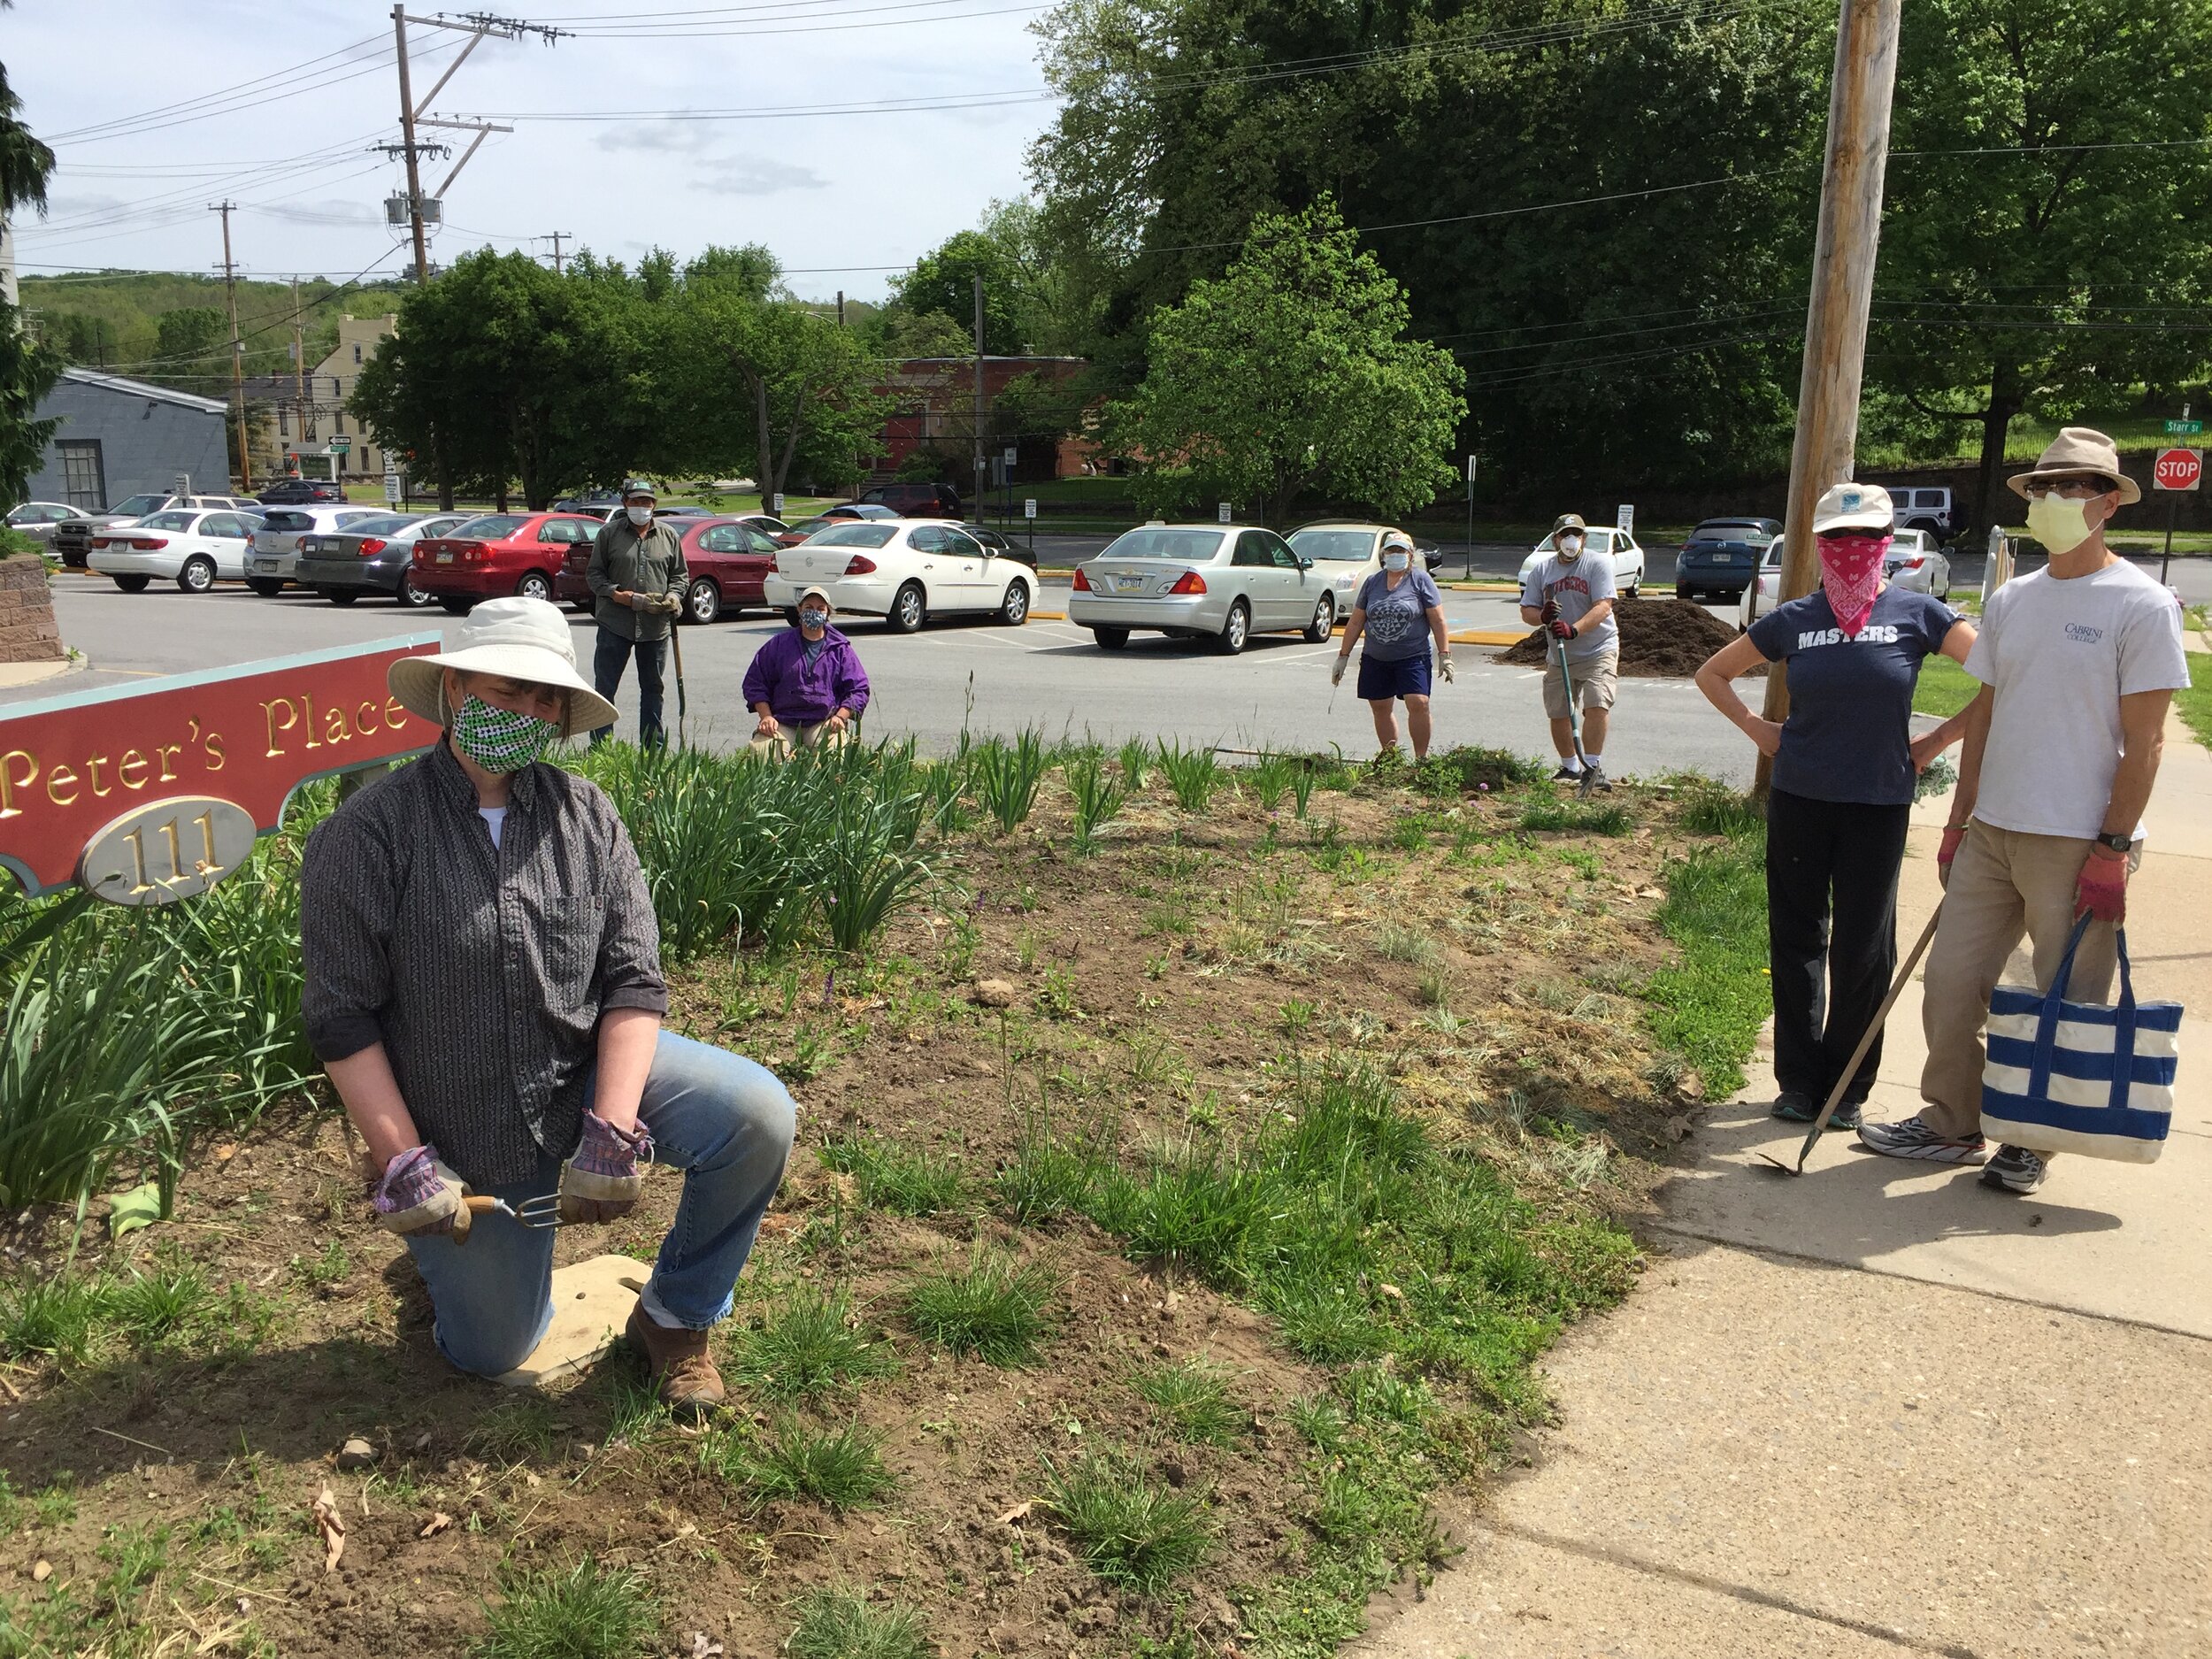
{"x": 2102, "y": 890}
{"x": 1947, "y": 851}
{"x": 1563, "y": 630}
{"x": 1550, "y": 613}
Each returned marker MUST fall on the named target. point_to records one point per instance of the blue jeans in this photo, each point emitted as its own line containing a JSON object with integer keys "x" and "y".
{"x": 607, "y": 661}
{"x": 723, "y": 1121}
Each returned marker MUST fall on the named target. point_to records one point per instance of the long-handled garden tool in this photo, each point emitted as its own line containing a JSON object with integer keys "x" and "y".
{"x": 1588, "y": 782}
{"x": 683, "y": 703}
{"x": 1851, "y": 1067}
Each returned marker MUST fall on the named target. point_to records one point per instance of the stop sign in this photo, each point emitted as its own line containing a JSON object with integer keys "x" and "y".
{"x": 2179, "y": 469}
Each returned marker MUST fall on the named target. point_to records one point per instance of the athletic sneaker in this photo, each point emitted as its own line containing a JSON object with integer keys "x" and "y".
{"x": 1567, "y": 773}
{"x": 1845, "y": 1116}
{"x": 1909, "y": 1138}
{"x": 2015, "y": 1170}
{"x": 1792, "y": 1107}
{"x": 1598, "y": 780}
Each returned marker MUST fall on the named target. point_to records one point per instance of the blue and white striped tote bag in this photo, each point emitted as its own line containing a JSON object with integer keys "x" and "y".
{"x": 2078, "y": 1077}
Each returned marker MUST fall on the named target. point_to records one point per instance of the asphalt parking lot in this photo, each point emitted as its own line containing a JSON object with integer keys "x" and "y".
{"x": 987, "y": 678}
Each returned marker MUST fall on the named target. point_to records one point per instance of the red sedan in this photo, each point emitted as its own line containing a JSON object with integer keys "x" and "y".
{"x": 726, "y": 557}
{"x": 499, "y": 554}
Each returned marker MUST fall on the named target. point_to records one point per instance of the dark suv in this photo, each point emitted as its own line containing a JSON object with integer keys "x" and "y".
{"x": 1721, "y": 559}
{"x": 915, "y": 501}
{"x": 300, "y": 492}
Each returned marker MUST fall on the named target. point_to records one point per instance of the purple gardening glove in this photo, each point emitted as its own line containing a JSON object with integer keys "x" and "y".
{"x": 418, "y": 1193}
{"x": 601, "y": 1181}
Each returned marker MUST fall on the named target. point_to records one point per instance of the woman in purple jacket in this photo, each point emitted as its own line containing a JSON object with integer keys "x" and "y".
{"x": 807, "y": 685}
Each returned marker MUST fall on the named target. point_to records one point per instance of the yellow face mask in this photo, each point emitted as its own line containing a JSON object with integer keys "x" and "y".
{"x": 2059, "y": 523}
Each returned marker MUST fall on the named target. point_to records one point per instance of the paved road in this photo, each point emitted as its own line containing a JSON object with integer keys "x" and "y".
{"x": 931, "y": 684}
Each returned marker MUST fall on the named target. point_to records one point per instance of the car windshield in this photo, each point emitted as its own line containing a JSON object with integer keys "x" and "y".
{"x": 1155, "y": 541}
{"x": 844, "y": 533}
{"x": 137, "y": 504}
{"x": 287, "y": 521}
{"x": 1728, "y": 530}
{"x": 379, "y": 524}
{"x": 493, "y": 527}
{"x": 1350, "y": 546}
{"x": 169, "y": 521}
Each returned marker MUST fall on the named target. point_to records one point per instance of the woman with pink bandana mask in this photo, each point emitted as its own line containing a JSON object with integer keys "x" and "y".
{"x": 1845, "y": 766}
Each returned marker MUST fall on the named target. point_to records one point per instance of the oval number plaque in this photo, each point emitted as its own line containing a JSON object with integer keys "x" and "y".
{"x": 166, "y": 850}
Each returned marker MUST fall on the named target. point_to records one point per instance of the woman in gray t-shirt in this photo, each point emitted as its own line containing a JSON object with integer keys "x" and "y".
{"x": 1400, "y": 610}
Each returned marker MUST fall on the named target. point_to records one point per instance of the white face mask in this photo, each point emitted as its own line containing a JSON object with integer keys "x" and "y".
{"x": 1396, "y": 561}
{"x": 2059, "y": 523}
{"x": 639, "y": 516}
{"x": 1570, "y": 547}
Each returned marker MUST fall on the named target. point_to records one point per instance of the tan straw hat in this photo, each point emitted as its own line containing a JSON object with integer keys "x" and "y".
{"x": 2078, "y": 450}
{"x": 515, "y": 638}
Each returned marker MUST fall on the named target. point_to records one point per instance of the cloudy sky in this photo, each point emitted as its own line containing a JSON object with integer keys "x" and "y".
{"x": 807, "y": 124}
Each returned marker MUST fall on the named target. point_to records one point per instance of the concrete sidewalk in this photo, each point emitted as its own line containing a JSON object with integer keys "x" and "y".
{"x": 1882, "y": 1409}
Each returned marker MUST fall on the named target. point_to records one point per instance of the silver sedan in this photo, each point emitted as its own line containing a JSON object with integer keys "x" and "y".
{"x": 1219, "y": 582}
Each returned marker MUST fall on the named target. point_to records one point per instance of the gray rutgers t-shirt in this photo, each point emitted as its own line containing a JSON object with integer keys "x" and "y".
{"x": 1576, "y": 584}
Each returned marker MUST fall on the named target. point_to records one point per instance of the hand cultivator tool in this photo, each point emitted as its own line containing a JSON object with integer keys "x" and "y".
{"x": 1851, "y": 1067}
{"x": 541, "y": 1211}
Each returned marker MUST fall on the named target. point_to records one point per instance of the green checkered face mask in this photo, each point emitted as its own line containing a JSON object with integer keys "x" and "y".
{"x": 501, "y": 740}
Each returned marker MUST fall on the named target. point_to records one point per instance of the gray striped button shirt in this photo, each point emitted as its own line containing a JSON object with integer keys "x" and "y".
{"x": 483, "y": 970}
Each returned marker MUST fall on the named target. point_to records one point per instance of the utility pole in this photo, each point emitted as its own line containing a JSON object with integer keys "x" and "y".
{"x": 556, "y": 238}
{"x": 237, "y": 346}
{"x": 978, "y": 398}
{"x": 1861, "y": 90}
{"x": 299, "y": 364}
{"x": 841, "y": 308}
{"x": 407, "y": 138}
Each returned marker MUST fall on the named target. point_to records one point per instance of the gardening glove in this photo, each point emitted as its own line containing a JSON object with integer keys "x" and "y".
{"x": 2101, "y": 890}
{"x": 417, "y": 1195}
{"x": 1336, "y": 669}
{"x": 1444, "y": 666}
{"x": 599, "y": 1180}
{"x": 1550, "y": 613}
{"x": 1947, "y": 851}
{"x": 1563, "y": 630}
{"x": 669, "y": 604}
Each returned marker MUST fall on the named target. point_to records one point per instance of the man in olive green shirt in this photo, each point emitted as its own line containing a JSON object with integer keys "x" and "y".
{"x": 638, "y": 577}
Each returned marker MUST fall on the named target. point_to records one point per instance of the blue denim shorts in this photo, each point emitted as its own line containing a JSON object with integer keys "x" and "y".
{"x": 1380, "y": 681}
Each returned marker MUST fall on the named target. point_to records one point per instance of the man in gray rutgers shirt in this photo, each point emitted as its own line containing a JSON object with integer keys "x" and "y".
{"x": 483, "y": 986}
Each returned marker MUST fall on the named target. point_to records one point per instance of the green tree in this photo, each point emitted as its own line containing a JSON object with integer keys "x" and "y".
{"x": 1020, "y": 287}
{"x": 29, "y": 368}
{"x": 2063, "y": 266}
{"x": 191, "y": 351}
{"x": 1292, "y": 374}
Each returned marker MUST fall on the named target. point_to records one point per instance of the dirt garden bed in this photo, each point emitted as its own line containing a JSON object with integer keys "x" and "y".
{"x": 1660, "y": 639}
{"x": 1019, "y": 1085}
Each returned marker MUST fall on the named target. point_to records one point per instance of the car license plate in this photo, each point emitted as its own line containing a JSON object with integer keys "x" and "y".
{"x": 264, "y": 566}
{"x": 445, "y": 558}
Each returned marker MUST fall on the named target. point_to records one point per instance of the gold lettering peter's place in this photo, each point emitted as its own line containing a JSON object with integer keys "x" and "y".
{"x": 28, "y": 776}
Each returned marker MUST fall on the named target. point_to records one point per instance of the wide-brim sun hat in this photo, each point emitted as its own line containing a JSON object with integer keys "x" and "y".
{"x": 1854, "y": 507}
{"x": 2074, "y": 452}
{"x": 515, "y": 638}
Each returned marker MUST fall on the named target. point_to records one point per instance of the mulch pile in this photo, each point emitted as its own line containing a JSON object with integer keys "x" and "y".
{"x": 1659, "y": 638}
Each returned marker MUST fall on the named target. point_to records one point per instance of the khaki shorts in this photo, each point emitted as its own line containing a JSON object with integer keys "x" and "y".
{"x": 794, "y": 735}
{"x": 1594, "y": 683}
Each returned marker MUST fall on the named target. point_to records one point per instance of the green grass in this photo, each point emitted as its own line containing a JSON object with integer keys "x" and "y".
{"x": 807, "y": 1345}
{"x": 1194, "y": 1403}
{"x": 1709, "y": 1006}
{"x": 996, "y": 1307}
{"x": 1579, "y": 819}
{"x": 841, "y": 1623}
{"x": 1944, "y": 688}
{"x": 891, "y": 1177}
{"x": 841, "y": 1467}
{"x": 2193, "y": 703}
{"x": 1131, "y": 1529}
{"x": 587, "y": 1612}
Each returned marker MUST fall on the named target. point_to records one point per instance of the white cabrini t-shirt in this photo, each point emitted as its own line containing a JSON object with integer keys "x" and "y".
{"x": 2062, "y": 654}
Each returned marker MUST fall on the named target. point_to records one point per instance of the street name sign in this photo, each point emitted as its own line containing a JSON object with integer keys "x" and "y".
{"x": 339, "y": 446}
{"x": 151, "y": 793}
{"x": 2178, "y": 470}
{"x": 2183, "y": 428}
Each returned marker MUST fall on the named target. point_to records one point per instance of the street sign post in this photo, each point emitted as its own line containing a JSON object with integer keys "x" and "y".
{"x": 2176, "y": 472}
{"x": 1625, "y": 518}
{"x": 1029, "y": 514}
{"x": 776, "y": 511}
{"x": 1225, "y": 512}
{"x": 1469, "y": 572}
{"x": 151, "y": 793}
{"x": 391, "y": 489}
{"x": 338, "y": 445}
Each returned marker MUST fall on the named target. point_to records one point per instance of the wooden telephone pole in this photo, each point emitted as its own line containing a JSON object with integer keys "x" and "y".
{"x": 237, "y": 348}
{"x": 1825, "y": 451}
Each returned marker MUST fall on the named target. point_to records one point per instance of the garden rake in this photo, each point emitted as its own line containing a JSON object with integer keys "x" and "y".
{"x": 1851, "y": 1067}
{"x": 1588, "y": 782}
{"x": 683, "y": 702}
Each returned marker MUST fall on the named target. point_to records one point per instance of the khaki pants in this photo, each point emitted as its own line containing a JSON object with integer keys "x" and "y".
{"x": 792, "y": 735}
{"x": 2003, "y": 884}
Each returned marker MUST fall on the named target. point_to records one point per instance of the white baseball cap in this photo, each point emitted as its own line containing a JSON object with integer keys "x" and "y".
{"x": 1854, "y": 507}
{"x": 517, "y": 639}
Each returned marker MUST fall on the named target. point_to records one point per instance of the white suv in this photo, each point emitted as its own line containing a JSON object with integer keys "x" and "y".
{"x": 1920, "y": 508}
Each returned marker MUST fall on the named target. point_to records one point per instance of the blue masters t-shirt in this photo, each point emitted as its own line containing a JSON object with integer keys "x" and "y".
{"x": 1397, "y": 618}
{"x": 1849, "y": 732}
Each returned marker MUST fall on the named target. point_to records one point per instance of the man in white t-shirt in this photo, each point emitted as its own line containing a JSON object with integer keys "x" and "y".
{"x": 2078, "y": 663}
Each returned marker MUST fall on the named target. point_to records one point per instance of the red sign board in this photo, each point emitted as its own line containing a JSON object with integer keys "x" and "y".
{"x": 148, "y": 785}
{"x": 2179, "y": 469}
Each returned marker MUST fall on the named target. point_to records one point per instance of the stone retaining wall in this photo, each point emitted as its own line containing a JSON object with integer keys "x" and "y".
{"x": 27, "y": 632}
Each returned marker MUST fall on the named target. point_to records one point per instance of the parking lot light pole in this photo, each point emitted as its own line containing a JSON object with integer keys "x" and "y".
{"x": 1860, "y": 90}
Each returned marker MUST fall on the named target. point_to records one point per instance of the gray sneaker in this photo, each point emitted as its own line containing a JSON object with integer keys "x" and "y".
{"x": 2015, "y": 1170}
{"x": 1909, "y": 1138}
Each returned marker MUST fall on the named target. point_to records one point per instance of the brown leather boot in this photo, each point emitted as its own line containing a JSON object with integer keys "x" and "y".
{"x": 678, "y": 1362}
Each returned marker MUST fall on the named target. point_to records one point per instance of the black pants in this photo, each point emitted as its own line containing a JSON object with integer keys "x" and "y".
{"x": 1831, "y": 935}
{"x": 606, "y": 675}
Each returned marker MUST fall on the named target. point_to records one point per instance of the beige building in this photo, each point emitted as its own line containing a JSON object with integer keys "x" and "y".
{"x": 306, "y": 431}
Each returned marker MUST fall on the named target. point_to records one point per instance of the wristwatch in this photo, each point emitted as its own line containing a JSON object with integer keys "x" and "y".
{"x": 2119, "y": 844}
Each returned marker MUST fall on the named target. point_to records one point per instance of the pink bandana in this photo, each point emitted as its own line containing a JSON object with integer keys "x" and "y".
{"x": 1851, "y": 573}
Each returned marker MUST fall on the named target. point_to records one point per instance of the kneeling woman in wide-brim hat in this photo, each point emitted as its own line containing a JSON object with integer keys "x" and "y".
{"x": 484, "y": 988}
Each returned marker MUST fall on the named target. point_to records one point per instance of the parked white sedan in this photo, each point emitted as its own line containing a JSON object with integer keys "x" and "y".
{"x": 1914, "y": 562}
{"x": 904, "y": 571}
{"x": 1603, "y": 540}
{"x": 194, "y": 550}
{"x": 276, "y": 558}
{"x": 1201, "y": 581}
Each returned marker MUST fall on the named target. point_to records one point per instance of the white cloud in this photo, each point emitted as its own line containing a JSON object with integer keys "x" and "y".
{"x": 754, "y": 175}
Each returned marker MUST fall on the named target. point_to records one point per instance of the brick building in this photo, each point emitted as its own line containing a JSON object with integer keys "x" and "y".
{"x": 935, "y": 413}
